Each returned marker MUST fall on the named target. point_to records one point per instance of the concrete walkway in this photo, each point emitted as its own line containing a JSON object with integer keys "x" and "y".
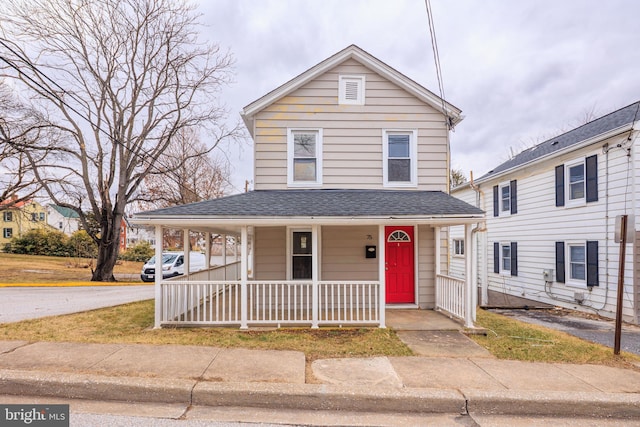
{"x": 456, "y": 378}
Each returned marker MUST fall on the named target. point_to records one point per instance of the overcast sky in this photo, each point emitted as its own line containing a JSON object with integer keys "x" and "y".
{"x": 521, "y": 71}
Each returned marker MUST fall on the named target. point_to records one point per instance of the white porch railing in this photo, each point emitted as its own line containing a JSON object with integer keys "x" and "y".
{"x": 450, "y": 295}
{"x": 230, "y": 271}
{"x": 210, "y": 303}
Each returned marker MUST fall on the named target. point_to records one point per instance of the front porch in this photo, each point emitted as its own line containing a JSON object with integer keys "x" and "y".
{"x": 316, "y": 258}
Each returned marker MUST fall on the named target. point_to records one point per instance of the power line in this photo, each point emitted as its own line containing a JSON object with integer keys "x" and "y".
{"x": 436, "y": 58}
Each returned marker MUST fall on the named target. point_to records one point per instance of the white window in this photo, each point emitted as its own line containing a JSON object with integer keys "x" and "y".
{"x": 575, "y": 182}
{"x": 304, "y": 157}
{"x": 577, "y": 255}
{"x": 41, "y": 215}
{"x": 7, "y": 216}
{"x": 301, "y": 255}
{"x": 400, "y": 166}
{"x": 351, "y": 90}
{"x": 505, "y": 258}
{"x": 7, "y": 233}
{"x": 60, "y": 225}
{"x": 458, "y": 247}
{"x": 505, "y": 199}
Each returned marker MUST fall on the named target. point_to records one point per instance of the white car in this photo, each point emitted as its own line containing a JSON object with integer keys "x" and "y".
{"x": 172, "y": 265}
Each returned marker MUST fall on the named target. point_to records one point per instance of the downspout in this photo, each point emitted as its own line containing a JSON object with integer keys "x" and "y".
{"x": 481, "y": 227}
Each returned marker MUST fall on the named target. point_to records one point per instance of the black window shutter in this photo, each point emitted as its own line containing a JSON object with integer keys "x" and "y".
{"x": 560, "y": 262}
{"x": 514, "y": 196}
{"x": 592, "y": 263}
{"x": 496, "y": 201}
{"x": 560, "y": 185}
{"x": 514, "y": 258}
{"x": 496, "y": 257}
{"x": 591, "y": 171}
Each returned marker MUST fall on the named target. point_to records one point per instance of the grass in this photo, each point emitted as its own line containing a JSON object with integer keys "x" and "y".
{"x": 131, "y": 323}
{"x": 512, "y": 339}
{"x": 37, "y": 270}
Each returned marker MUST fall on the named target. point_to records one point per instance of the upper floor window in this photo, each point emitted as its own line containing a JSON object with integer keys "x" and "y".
{"x": 577, "y": 182}
{"x": 41, "y": 216}
{"x": 400, "y": 167}
{"x": 304, "y": 157}
{"x": 505, "y": 198}
{"x": 351, "y": 90}
{"x": 7, "y": 216}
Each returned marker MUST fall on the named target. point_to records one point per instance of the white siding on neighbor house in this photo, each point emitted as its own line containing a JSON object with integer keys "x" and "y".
{"x": 538, "y": 224}
{"x": 352, "y": 134}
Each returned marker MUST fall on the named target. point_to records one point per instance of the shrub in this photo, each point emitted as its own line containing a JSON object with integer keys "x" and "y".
{"x": 142, "y": 251}
{"x": 81, "y": 245}
{"x": 40, "y": 242}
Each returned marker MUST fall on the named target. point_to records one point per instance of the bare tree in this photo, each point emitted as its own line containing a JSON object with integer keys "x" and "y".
{"x": 121, "y": 78}
{"x": 19, "y": 125}
{"x": 186, "y": 174}
{"x": 457, "y": 178}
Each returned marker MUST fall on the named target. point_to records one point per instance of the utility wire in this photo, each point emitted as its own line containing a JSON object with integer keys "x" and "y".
{"x": 436, "y": 58}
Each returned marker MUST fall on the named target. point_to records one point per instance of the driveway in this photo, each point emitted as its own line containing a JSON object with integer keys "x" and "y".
{"x": 22, "y": 303}
{"x": 596, "y": 330}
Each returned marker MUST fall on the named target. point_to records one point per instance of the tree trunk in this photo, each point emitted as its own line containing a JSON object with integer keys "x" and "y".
{"x": 108, "y": 248}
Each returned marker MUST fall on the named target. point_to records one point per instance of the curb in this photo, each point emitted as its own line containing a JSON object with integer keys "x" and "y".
{"x": 320, "y": 396}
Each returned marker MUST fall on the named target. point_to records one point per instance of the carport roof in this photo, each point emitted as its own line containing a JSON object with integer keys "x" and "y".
{"x": 322, "y": 203}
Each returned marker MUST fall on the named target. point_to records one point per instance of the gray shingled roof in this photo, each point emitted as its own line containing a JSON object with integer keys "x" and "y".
{"x": 319, "y": 203}
{"x": 589, "y": 130}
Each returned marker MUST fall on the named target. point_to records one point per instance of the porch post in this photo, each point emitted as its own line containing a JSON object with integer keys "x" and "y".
{"x": 436, "y": 251}
{"x": 158, "y": 278}
{"x": 315, "y": 297}
{"x": 469, "y": 307}
{"x": 187, "y": 251}
{"x": 207, "y": 250}
{"x": 243, "y": 277}
{"x": 382, "y": 274}
{"x": 224, "y": 254}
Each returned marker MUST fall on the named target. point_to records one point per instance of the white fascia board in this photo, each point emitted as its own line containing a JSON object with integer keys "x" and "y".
{"x": 594, "y": 140}
{"x": 191, "y": 222}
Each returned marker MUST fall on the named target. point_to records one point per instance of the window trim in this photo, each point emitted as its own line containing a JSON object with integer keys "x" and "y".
{"x": 569, "y": 202}
{"x": 504, "y": 271}
{"x": 458, "y": 247}
{"x": 290, "y": 158}
{"x": 501, "y": 187}
{"x": 568, "y": 261}
{"x": 290, "y": 254}
{"x": 7, "y": 230}
{"x": 413, "y": 157}
{"x": 343, "y": 79}
{"x": 7, "y": 216}
{"x": 498, "y": 262}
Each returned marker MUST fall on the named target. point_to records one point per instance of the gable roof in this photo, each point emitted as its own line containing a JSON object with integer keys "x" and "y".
{"x": 369, "y": 61}
{"x": 603, "y": 127}
{"x": 66, "y": 212}
{"x": 321, "y": 203}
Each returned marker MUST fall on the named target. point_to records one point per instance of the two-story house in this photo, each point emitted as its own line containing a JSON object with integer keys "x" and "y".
{"x": 349, "y": 211}
{"x": 63, "y": 219}
{"x": 21, "y": 217}
{"x": 551, "y": 219}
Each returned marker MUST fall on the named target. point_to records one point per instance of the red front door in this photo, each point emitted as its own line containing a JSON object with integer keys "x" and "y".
{"x": 399, "y": 265}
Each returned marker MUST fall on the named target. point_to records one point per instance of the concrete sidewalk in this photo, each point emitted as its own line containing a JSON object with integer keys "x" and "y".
{"x": 214, "y": 377}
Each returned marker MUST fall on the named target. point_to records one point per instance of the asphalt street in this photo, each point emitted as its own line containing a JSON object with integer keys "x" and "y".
{"x": 22, "y": 303}
{"x": 599, "y": 331}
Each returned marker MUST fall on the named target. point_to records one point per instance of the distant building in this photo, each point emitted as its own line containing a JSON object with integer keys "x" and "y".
{"x": 63, "y": 219}
{"x": 20, "y": 218}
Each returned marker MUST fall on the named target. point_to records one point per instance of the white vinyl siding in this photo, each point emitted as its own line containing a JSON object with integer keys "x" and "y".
{"x": 270, "y": 252}
{"x": 352, "y": 152}
{"x": 539, "y": 224}
{"x": 343, "y": 253}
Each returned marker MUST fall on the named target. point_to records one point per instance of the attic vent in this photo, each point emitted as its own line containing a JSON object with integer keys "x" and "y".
{"x": 351, "y": 90}
{"x": 554, "y": 143}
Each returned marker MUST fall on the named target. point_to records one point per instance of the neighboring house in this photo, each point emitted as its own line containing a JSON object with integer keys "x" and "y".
{"x": 349, "y": 211}
{"x": 551, "y": 216}
{"x": 20, "y": 218}
{"x": 136, "y": 234}
{"x": 63, "y": 219}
